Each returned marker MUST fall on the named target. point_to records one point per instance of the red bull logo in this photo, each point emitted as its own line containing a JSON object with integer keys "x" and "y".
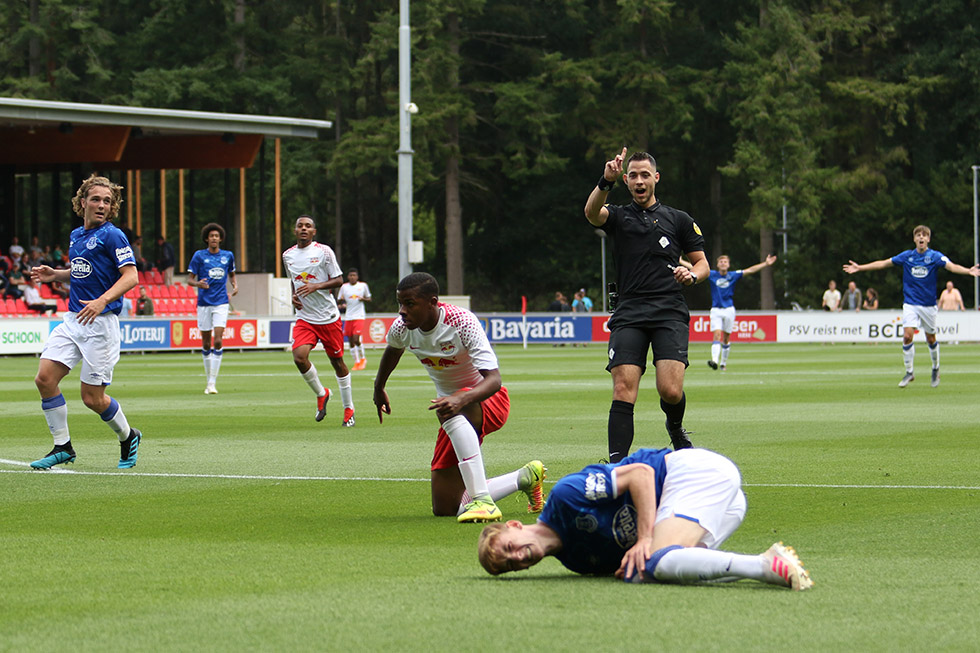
{"x": 438, "y": 363}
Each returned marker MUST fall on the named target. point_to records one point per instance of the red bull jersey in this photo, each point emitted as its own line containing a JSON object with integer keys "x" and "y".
{"x": 314, "y": 263}
{"x": 452, "y": 353}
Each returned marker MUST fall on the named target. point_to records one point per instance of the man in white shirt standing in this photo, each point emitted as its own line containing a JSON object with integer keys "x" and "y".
{"x": 313, "y": 270}
{"x": 354, "y": 293}
{"x": 470, "y": 401}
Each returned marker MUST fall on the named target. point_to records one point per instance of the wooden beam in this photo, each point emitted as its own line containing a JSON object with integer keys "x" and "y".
{"x": 53, "y": 145}
{"x": 242, "y": 239}
{"x": 163, "y": 204}
{"x": 139, "y": 204}
{"x": 278, "y": 211}
{"x": 180, "y": 217}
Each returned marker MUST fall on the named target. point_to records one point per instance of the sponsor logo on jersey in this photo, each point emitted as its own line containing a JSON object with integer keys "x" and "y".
{"x": 723, "y": 282}
{"x": 80, "y": 268}
{"x": 438, "y": 363}
{"x": 595, "y": 486}
{"x": 123, "y": 253}
{"x": 919, "y": 271}
{"x": 305, "y": 277}
{"x": 92, "y": 243}
{"x": 216, "y": 273}
{"x": 624, "y": 526}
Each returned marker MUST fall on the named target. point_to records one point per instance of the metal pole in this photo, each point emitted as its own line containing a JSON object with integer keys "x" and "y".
{"x": 602, "y": 254}
{"x": 976, "y": 247}
{"x": 405, "y": 108}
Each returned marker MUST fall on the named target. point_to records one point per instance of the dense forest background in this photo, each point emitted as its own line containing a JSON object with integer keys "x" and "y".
{"x": 861, "y": 118}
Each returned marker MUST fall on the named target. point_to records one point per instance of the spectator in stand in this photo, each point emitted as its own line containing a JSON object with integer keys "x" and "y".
{"x": 16, "y": 250}
{"x": 59, "y": 289}
{"x": 144, "y": 305}
{"x": 950, "y": 299}
{"x": 166, "y": 259}
{"x": 35, "y": 246}
{"x": 34, "y": 301}
{"x": 852, "y": 297}
{"x": 581, "y": 304}
{"x": 831, "y": 297}
{"x": 870, "y": 300}
{"x": 137, "y": 244}
{"x": 124, "y": 227}
{"x": 16, "y": 284}
{"x": 58, "y": 257}
{"x": 4, "y": 283}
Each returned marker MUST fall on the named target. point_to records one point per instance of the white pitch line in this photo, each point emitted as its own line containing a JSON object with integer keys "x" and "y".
{"x": 257, "y": 477}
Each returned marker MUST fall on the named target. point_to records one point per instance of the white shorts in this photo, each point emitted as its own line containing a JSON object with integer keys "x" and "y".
{"x": 706, "y": 488}
{"x": 914, "y": 316}
{"x": 723, "y": 319}
{"x": 96, "y": 345}
{"x": 209, "y": 317}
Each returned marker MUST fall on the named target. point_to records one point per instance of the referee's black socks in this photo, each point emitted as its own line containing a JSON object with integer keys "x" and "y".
{"x": 620, "y": 430}
{"x": 675, "y": 413}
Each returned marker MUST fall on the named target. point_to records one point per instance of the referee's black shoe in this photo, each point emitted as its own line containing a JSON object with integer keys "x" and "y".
{"x": 712, "y": 364}
{"x": 678, "y": 437}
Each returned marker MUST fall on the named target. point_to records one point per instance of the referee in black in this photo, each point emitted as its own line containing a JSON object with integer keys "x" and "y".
{"x": 648, "y": 240}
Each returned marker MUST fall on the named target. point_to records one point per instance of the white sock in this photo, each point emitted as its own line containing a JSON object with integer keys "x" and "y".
{"x": 113, "y": 416}
{"x": 725, "y": 349}
{"x": 215, "y": 365}
{"x": 715, "y": 350}
{"x": 466, "y": 444}
{"x": 908, "y": 355}
{"x": 312, "y": 380}
{"x": 934, "y": 354}
{"x": 206, "y": 357}
{"x": 693, "y": 564}
{"x": 360, "y": 352}
{"x": 346, "y": 394}
{"x": 499, "y": 486}
{"x": 56, "y": 415}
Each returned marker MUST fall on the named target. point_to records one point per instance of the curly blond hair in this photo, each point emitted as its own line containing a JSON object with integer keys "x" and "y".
{"x": 82, "y": 193}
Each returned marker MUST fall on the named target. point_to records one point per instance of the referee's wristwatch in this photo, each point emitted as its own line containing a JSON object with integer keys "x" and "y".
{"x": 694, "y": 278}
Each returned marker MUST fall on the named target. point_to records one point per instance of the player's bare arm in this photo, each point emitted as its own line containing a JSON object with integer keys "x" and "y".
{"x": 758, "y": 266}
{"x": 454, "y": 404}
{"x": 956, "y": 268}
{"x": 387, "y": 365}
{"x": 851, "y": 267}
{"x": 307, "y": 288}
{"x": 234, "y": 284}
{"x": 193, "y": 281}
{"x": 47, "y": 274}
{"x": 699, "y": 267}
{"x": 640, "y": 481}
{"x": 94, "y": 307}
{"x": 595, "y": 212}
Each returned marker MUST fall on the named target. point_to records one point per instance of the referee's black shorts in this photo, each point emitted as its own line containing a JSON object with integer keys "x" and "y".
{"x": 628, "y": 345}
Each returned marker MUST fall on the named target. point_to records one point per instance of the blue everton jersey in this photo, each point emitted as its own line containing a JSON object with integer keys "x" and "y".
{"x": 919, "y": 272}
{"x": 96, "y": 256}
{"x": 723, "y": 288}
{"x": 596, "y": 528}
{"x": 215, "y": 268}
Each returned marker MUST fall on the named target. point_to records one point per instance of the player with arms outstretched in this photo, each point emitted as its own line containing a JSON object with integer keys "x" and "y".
{"x": 313, "y": 270}
{"x": 723, "y": 281}
{"x": 209, "y": 271}
{"x": 919, "y": 271}
{"x": 470, "y": 401}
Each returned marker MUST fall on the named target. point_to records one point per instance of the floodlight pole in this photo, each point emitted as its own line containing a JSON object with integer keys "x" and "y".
{"x": 602, "y": 253}
{"x": 976, "y": 242}
{"x": 405, "y": 152}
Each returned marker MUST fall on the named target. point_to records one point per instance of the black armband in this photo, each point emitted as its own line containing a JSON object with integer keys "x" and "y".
{"x": 605, "y": 184}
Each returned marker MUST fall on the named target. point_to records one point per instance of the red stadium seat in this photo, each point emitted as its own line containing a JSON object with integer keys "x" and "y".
{"x": 189, "y": 306}
{"x": 155, "y": 276}
{"x": 46, "y": 291}
{"x": 20, "y": 306}
{"x": 9, "y": 306}
{"x": 142, "y": 278}
{"x": 62, "y": 305}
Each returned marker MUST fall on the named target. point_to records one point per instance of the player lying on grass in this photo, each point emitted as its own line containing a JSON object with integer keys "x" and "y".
{"x": 470, "y": 401}
{"x": 657, "y": 516}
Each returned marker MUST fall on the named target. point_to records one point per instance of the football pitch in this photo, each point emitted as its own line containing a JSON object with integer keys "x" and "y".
{"x": 248, "y": 526}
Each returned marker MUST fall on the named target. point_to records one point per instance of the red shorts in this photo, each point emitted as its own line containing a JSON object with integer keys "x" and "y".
{"x": 496, "y": 409}
{"x": 353, "y": 327}
{"x": 330, "y": 335}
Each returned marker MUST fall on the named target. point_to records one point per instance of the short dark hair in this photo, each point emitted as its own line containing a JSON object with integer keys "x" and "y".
{"x": 642, "y": 156}
{"x": 354, "y": 270}
{"x": 310, "y": 217}
{"x": 208, "y": 228}
{"x": 425, "y": 283}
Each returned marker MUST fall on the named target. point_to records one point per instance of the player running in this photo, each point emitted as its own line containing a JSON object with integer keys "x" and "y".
{"x": 470, "y": 401}
{"x": 209, "y": 271}
{"x": 313, "y": 270}
{"x": 919, "y": 271}
{"x": 102, "y": 270}
{"x": 355, "y": 293}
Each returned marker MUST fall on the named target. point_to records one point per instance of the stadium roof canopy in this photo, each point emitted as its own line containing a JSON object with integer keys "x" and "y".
{"x": 40, "y": 134}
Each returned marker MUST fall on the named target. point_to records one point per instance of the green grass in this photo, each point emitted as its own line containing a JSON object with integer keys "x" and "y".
{"x": 242, "y": 529}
